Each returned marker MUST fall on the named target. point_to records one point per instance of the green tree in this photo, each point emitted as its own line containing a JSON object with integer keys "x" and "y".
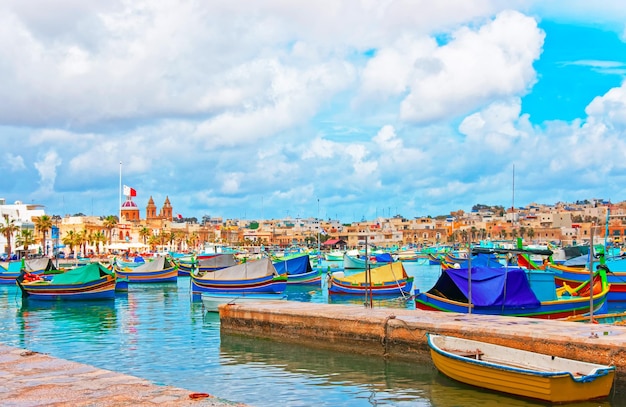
{"x": 97, "y": 239}
{"x": 42, "y": 225}
{"x": 70, "y": 239}
{"x": 144, "y": 234}
{"x": 25, "y": 238}
{"x": 8, "y": 229}
{"x": 109, "y": 223}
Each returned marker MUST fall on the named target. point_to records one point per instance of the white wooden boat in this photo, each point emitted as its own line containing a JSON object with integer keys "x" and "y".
{"x": 211, "y": 301}
{"x": 518, "y": 372}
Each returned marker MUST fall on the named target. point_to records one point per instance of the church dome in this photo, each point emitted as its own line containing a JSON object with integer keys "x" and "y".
{"x": 129, "y": 205}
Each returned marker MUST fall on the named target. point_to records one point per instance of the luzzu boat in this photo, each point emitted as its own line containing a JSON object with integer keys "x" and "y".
{"x": 259, "y": 276}
{"x": 206, "y": 263}
{"x": 299, "y": 270}
{"x": 160, "y": 270}
{"x": 389, "y": 279}
{"x": 12, "y": 270}
{"x": 572, "y": 276}
{"x": 363, "y": 262}
{"x": 90, "y": 282}
{"x": 511, "y": 291}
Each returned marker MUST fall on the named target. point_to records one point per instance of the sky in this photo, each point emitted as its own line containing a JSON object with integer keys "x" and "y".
{"x": 330, "y": 109}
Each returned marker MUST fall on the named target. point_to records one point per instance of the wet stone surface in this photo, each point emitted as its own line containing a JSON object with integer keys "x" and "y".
{"x": 36, "y": 379}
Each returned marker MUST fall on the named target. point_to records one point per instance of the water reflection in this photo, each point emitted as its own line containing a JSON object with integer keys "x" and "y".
{"x": 68, "y": 321}
{"x": 158, "y": 333}
{"x": 365, "y": 380}
{"x": 446, "y": 392}
{"x": 354, "y": 379}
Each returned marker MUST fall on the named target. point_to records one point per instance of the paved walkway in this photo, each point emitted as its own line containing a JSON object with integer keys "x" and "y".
{"x": 34, "y": 379}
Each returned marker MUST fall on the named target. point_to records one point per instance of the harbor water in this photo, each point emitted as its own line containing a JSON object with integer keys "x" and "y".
{"x": 157, "y": 332}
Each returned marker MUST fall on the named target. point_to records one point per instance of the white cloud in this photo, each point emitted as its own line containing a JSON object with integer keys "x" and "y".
{"x": 47, "y": 169}
{"x": 475, "y": 67}
{"x": 610, "y": 108}
{"x": 497, "y": 127}
{"x": 219, "y": 104}
{"x": 14, "y": 162}
{"x": 231, "y": 183}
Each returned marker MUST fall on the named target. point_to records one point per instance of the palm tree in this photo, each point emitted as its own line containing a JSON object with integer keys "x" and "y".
{"x": 109, "y": 223}
{"x": 25, "y": 238}
{"x": 192, "y": 240}
{"x": 70, "y": 239}
{"x": 8, "y": 229}
{"x": 171, "y": 237}
{"x": 153, "y": 241}
{"x": 82, "y": 238}
{"x": 96, "y": 239}
{"x": 144, "y": 233}
{"x": 42, "y": 225}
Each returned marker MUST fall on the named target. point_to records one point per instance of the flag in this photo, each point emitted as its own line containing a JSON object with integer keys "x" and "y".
{"x": 180, "y": 216}
{"x": 128, "y": 191}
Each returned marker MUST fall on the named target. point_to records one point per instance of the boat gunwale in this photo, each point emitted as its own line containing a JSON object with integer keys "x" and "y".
{"x": 597, "y": 372}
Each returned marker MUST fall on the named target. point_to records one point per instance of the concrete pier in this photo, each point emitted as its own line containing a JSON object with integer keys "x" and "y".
{"x": 401, "y": 333}
{"x": 36, "y": 379}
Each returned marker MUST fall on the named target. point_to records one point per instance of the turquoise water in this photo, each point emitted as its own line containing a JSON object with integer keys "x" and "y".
{"x": 157, "y": 332}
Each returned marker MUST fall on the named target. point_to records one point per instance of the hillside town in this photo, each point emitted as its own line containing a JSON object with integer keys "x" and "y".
{"x": 27, "y": 229}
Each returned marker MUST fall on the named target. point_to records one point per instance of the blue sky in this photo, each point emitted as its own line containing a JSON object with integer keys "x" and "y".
{"x": 337, "y": 109}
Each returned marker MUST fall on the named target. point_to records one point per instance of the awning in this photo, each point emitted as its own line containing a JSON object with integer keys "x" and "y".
{"x": 30, "y": 247}
{"x": 126, "y": 246}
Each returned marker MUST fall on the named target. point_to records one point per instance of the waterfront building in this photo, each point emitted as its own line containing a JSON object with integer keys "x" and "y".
{"x": 22, "y": 215}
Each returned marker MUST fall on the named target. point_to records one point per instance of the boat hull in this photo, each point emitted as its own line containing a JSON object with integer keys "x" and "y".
{"x": 574, "y": 276}
{"x": 269, "y": 284}
{"x": 546, "y": 310}
{"x": 518, "y": 372}
{"x": 387, "y": 280}
{"x": 400, "y": 287}
{"x": 167, "y": 275}
{"x": 313, "y": 277}
{"x": 101, "y": 289}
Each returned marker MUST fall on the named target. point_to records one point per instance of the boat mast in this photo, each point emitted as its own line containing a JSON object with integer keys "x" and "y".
{"x": 469, "y": 274}
{"x": 319, "y": 225}
{"x": 513, "y": 199}
{"x": 591, "y": 275}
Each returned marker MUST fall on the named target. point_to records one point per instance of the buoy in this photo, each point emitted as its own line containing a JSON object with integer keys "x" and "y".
{"x": 199, "y": 395}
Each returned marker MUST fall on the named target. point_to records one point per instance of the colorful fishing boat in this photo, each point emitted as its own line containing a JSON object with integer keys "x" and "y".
{"x": 511, "y": 291}
{"x": 519, "y": 372}
{"x": 161, "y": 269}
{"x": 433, "y": 259}
{"x": 363, "y": 262}
{"x": 11, "y": 270}
{"x": 335, "y": 255}
{"x": 407, "y": 256}
{"x": 212, "y": 301}
{"x": 90, "y": 282}
{"x": 389, "y": 279}
{"x": 258, "y": 276}
{"x": 299, "y": 270}
{"x": 206, "y": 263}
{"x": 573, "y": 276}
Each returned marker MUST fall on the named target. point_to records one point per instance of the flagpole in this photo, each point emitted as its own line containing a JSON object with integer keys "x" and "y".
{"x": 120, "y": 190}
